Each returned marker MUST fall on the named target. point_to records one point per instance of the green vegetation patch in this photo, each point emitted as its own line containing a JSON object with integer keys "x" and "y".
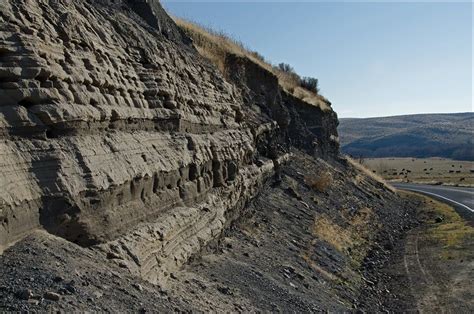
{"x": 446, "y": 227}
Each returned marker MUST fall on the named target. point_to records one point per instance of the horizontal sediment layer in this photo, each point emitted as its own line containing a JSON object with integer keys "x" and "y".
{"x": 116, "y": 133}
{"x": 92, "y": 188}
{"x": 156, "y": 249}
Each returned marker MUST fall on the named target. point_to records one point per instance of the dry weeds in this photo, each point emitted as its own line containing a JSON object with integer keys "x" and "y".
{"x": 216, "y": 45}
{"x": 369, "y": 173}
{"x": 353, "y": 238}
{"x": 320, "y": 182}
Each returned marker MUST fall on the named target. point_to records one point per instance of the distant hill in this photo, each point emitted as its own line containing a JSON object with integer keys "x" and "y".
{"x": 421, "y": 135}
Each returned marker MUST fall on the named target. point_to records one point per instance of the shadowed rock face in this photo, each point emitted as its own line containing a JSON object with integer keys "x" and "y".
{"x": 301, "y": 125}
{"x": 154, "y": 15}
{"x": 114, "y": 129}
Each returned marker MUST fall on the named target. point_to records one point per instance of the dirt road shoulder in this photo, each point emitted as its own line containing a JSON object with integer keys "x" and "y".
{"x": 433, "y": 267}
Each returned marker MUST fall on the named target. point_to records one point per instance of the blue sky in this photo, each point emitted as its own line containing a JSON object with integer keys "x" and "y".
{"x": 371, "y": 59}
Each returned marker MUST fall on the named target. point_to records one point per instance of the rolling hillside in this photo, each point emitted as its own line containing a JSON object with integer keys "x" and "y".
{"x": 422, "y": 135}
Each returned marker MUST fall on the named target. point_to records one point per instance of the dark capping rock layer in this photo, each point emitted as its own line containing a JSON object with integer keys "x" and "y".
{"x": 154, "y": 15}
{"x": 300, "y": 124}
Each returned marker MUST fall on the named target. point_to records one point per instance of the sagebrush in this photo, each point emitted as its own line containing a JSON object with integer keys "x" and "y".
{"x": 320, "y": 182}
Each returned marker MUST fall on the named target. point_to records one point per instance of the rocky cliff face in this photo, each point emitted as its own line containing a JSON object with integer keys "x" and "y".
{"x": 112, "y": 125}
{"x": 163, "y": 183}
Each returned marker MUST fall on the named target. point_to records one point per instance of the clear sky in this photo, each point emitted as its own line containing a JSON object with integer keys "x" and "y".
{"x": 371, "y": 59}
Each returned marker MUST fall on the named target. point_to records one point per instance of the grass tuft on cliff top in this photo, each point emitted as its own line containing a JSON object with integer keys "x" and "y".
{"x": 215, "y": 46}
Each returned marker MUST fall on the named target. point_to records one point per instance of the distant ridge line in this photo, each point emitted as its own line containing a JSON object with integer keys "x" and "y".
{"x": 446, "y": 135}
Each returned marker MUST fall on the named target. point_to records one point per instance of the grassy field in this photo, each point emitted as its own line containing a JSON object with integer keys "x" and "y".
{"x": 423, "y": 170}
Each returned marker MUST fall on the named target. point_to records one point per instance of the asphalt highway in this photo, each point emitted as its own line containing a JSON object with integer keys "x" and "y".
{"x": 462, "y": 199}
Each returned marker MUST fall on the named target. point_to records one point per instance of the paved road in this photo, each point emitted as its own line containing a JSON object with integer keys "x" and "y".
{"x": 462, "y": 199}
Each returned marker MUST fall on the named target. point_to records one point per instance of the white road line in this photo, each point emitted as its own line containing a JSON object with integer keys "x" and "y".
{"x": 444, "y": 189}
{"x": 455, "y": 190}
{"x": 445, "y": 198}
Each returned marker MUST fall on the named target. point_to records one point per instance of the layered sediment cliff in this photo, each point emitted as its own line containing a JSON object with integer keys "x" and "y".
{"x": 138, "y": 157}
{"x": 110, "y": 118}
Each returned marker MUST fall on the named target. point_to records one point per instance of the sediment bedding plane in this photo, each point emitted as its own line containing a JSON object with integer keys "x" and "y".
{"x": 136, "y": 154}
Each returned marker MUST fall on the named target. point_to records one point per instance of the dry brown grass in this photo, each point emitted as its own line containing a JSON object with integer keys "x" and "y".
{"x": 354, "y": 237}
{"x": 215, "y": 46}
{"x": 340, "y": 238}
{"x": 369, "y": 173}
{"x": 320, "y": 182}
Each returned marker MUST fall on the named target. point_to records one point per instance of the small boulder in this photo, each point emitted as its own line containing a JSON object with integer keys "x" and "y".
{"x": 293, "y": 285}
{"x": 33, "y": 302}
{"x": 53, "y": 296}
{"x": 137, "y": 286}
{"x": 122, "y": 264}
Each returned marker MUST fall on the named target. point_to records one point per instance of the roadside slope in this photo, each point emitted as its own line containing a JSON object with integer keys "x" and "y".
{"x": 129, "y": 161}
{"x": 303, "y": 244}
{"x": 433, "y": 266}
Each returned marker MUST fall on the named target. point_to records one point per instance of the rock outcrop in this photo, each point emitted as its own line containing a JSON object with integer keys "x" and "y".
{"x": 136, "y": 176}
{"x": 115, "y": 129}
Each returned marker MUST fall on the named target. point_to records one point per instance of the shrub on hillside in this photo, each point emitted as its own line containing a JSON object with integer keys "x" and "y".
{"x": 319, "y": 182}
{"x": 285, "y": 67}
{"x": 287, "y": 74}
{"x": 310, "y": 83}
